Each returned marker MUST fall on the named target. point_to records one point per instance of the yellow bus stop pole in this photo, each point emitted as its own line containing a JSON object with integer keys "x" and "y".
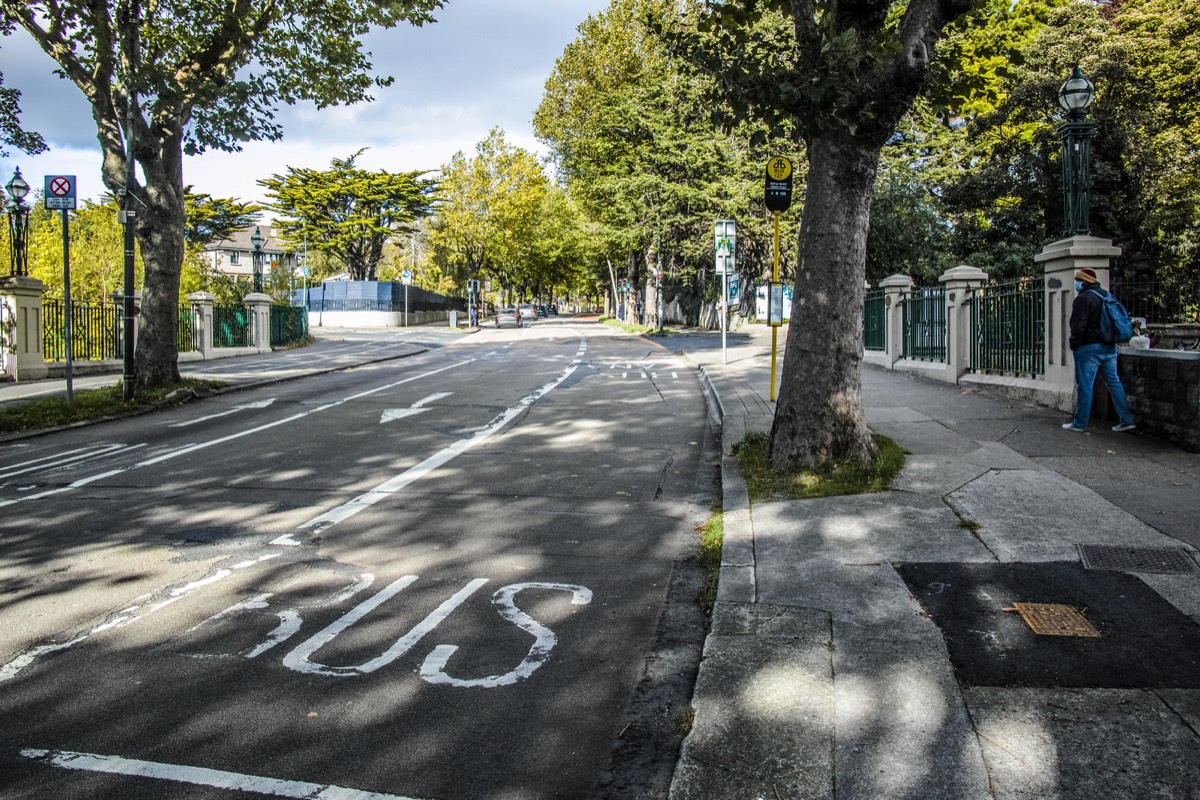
{"x": 774, "y": 328}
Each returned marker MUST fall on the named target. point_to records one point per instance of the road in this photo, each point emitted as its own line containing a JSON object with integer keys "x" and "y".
{"x": 439, "y": 576}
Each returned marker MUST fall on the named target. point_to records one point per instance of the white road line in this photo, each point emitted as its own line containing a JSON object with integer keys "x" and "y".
{"x": 68, "y": 457}
{"x": 200, "y": 776}
{"x": 411, "y": 475}
{"x": 234, "y": 410}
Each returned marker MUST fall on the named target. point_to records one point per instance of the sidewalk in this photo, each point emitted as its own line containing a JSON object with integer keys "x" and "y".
{"x": 860, "y": 647}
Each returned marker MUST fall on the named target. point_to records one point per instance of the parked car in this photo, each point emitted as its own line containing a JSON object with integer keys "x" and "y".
{"x": 541, "y": 311}
{"x": 508, "y": 318}
{"x": 552, "y": 310}
{"x": 528, "y": 312}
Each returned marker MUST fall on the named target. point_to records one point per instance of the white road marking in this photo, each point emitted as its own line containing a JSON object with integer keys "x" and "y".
{"x": 59, "y": 460}
{"x": 411, "y": 475}
{"x": 299, "y": 659}
{"x": 200, "y": 776}
{"x": 124, "y": 617}
{"x": 433, "y": 669}
{"x": 416, "y": 408}
{"x": 234, "y": 410}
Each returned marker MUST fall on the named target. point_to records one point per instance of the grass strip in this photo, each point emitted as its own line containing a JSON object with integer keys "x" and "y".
{"x": 834, "y": 478}
{"x": 711, "y": 534}
{"x": 93, "y": 404}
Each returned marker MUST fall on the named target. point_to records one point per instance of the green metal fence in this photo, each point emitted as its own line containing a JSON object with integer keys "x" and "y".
{"x": 924, "y": 314}
{"x": 186, "y": 335}
{"x": 231, "y": 326}
{"x": 1008, "y": 322}
{"x": 874, "y": 321}
{"x": 288, "y": 324}
{"x": 95, "y": 331}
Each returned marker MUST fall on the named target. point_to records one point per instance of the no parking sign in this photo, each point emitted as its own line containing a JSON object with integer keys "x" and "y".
{"x": 60, "y": 192}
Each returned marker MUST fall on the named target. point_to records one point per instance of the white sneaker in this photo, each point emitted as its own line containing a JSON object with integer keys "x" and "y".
{"x": 1071, "y": 426}
{"x": 1124, "y": 426}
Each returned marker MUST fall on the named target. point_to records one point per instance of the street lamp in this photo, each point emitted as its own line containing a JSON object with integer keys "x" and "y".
{"x": 257, "y": 240}
{"x": 1075, "y": 96}
{"x": 18, "y": 222}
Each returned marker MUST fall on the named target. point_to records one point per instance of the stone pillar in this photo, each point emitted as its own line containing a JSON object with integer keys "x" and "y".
{"x": 894, "y": 288}
{"x": 21, "y": 327}
{"x": 202, "y": 304}
{"x": 958, "y": 283}
{"x": 1059, "y": 262}
{"x": 259, "y": 305}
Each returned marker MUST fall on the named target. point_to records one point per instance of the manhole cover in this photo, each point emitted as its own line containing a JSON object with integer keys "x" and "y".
{"x": 1055, "y": 619}
{"x": 1136, "y": 559}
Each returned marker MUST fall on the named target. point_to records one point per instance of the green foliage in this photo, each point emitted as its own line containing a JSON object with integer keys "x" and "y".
{"x": 834, "y": 478}
{"x": 212, "y": 219}
{"x": 348, "y": 212}
{"x": 11, "y": 132}
{"x": 712, "y": 534}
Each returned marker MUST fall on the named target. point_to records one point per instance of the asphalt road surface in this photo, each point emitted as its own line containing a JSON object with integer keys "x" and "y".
{"x": 440, "y": 576}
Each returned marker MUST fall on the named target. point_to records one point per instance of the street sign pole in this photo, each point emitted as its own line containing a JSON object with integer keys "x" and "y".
{"x": 778, "y": 196}
{"x": 60, "y": 195}
{"x": 725, "y": 246}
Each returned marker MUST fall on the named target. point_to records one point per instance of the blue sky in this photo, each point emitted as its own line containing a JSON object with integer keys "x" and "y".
{"x": 482, "y": 65}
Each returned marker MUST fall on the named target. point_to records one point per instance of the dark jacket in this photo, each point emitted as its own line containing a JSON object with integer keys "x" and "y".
{"x": 1085, "y": 316}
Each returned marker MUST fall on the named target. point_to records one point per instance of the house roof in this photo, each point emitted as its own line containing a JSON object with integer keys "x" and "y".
{"x": 240, "y": 240}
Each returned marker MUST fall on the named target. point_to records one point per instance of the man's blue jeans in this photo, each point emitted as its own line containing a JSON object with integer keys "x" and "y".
{"x": 1090, "y": 359}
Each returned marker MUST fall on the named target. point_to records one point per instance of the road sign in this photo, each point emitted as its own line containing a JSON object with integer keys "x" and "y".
{"x": 60, "y": 192}
{"x": 779, "y": 184}
{"x": 406, "y": 277}
{"x": 725, "y": 244}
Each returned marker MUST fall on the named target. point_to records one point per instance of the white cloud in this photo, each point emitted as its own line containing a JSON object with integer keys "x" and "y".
{"x": 482, "y": 65}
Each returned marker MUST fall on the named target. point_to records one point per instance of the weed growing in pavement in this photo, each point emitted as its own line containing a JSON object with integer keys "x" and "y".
{"x": 832, "y": 479}
{"x": 711, "y": 534}
{"x": 630, "y": 327}
{"x": 94, "y": 404}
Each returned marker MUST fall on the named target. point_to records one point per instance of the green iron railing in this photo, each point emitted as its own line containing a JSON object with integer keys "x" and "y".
{"x": 289, "y": 324}
{"x": 924, "y": 315}
{"x": 95, "y": 331}
{"x": 1008, "y": 322}
{"x": 874, "y": 322}
{"x": 186, "y": 334}
{"x": 231, "y": 326}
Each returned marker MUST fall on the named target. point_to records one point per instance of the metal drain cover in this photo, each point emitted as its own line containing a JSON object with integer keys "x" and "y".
{"x": 1055, "y": 619}
{"x": 1136, "y": 559}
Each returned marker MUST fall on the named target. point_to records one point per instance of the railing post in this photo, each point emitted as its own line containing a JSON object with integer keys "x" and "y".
{"x": 259, "y": 306}
{"x": 1059, "y": 261}
{"x": 895, "y": 287}
{"x": 202, "y": 302}
{"x": 21, "y": 327}
{"x": 959, "y": 282}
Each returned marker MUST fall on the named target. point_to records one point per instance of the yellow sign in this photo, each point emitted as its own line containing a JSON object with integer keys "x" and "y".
{"x": 779, "y": 168}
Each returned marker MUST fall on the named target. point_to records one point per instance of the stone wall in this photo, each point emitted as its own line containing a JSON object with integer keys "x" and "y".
{"x": 1164, "y": 393}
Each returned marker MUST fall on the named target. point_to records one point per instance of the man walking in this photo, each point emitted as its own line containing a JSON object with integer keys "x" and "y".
{"x": 1093, "y": 355}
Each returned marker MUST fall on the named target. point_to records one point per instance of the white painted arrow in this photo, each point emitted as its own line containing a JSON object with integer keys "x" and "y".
{"x": 234, "y": 410}
{"x": 416, "y": 408}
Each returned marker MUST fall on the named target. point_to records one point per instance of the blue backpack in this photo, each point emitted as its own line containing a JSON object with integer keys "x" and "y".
{"x": 1115, "y": 326}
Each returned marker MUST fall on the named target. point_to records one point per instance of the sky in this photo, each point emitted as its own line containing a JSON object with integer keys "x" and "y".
{"x": 482, "y": 65}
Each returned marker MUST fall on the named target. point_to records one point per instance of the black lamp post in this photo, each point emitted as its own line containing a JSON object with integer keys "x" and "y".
{"x": 18, "y": 223}
{"x": 257, "y": 240}
{"x": 1075, "y": 96}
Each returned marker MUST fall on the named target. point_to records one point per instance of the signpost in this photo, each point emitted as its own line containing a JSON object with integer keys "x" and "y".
{"x": 778, "y": 196}
{"x": 406, "y": 279}
{"x": 60, "y": 195}
{"x": 725, "y": 247}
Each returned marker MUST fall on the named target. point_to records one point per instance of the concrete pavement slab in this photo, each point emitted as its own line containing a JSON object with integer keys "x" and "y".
{"x": 764, "y": 724}
{"x": 1060, "y": 744}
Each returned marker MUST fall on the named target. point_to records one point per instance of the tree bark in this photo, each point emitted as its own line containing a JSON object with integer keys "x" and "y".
{"x": 819, "y": 414}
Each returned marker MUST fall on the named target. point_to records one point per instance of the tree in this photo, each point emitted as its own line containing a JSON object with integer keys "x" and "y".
{"x": 11, "y": 132}
{"x": 491, "y": 217}
{"x": 213, "y": 219}
{"x": 190, "y": 77}
{"x": 348, "y": 212}
{"x": 844, "y": 74}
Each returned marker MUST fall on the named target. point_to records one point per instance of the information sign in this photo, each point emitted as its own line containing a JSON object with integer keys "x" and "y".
{"x": 406, "y": 277}
{"x": 778, "y": 194}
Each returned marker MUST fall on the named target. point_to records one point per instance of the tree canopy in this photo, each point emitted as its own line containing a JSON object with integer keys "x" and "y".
{"x": 348, "y": 212}
{"x": 205, "y": 75}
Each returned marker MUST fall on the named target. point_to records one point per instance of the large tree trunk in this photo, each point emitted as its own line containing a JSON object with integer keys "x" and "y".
{"x": 819, "y": 413}
{"x": 160, "y": 229}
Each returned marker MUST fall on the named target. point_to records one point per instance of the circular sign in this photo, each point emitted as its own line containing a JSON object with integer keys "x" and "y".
{"x": 779, "y": 168}
{"x": 60, "y": 186}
